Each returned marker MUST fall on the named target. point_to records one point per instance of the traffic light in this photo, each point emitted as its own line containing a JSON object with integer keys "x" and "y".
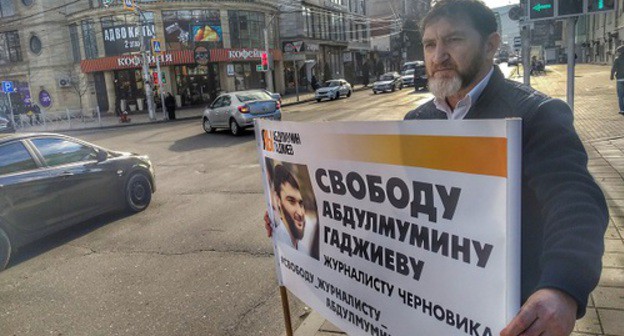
{"x": 264, "y": 58}
{"x": 600, "y": 5}
{"x": 570, "y": 7}
{"x": 541, "y": 9}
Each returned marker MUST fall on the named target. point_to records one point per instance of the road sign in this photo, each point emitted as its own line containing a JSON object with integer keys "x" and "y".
{"x": 541, "y": 9}
{"x": 156, "y": 46}
{"x": 128, "y": 4}
{"x": 8, "y": 87}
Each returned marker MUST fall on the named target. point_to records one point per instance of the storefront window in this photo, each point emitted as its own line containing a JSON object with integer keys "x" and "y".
{"x": 197, "y": 84}
{"x": 246, "y": 29}
{"x": 188, "y": 29}
{"x": 246, "y": 77}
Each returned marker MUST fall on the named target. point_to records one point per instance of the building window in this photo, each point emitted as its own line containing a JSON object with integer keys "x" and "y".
{"x": 35, "y": 44}
{"x": 6, "y": 8}
{"x": 10, "y": 50}
{"x": 75, "y": 42}
{"x": 28, "y": 3}
{"x": 246, "y": 29}
{"x": 88, "y": 38}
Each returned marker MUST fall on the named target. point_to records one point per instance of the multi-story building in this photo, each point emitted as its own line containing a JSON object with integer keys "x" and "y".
{"x": 324, "y": 38}
{"x": 396, "y": 36}
{"x": 72, "y": 54}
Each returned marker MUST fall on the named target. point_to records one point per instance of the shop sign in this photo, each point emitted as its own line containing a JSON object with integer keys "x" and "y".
{"x": 293, "y": 47}
{"x": 136, "y": 61}
{"x": 174, "y": 57}
{"x": 312, "y": 47}
{"x": 230, "y": 70}
{"x": 45, "y": 99}
{"x": 123, "y": 39}
{"x": 202, "y": 55}
{"x": 237, "y": 55}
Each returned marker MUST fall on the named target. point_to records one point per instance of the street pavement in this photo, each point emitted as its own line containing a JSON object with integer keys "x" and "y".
{"x": 602, "y": 130}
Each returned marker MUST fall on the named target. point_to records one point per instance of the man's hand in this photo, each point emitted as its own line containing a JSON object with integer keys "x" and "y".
{"x": 548, "y": 312}
{"x": 267, "y": 224}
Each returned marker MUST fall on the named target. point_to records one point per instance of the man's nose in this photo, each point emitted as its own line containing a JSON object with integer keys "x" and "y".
{"x": 440, "y": 54}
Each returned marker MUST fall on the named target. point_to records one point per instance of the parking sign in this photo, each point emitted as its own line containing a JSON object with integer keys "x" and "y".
{"x": 7, "y": 87}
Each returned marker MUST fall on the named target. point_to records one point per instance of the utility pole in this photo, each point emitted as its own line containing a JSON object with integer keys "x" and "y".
{"x": 149, "y": 96}
{"x": 267, "y": 49}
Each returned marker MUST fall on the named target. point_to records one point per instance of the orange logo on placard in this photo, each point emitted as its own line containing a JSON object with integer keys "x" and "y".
{"x": 267, "y": 141}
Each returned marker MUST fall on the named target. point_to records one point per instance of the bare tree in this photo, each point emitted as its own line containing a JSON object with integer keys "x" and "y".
{"x": 78, "y": 83}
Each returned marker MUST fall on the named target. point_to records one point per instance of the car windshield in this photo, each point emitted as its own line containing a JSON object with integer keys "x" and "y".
{"x": 250, "y": 96}
{"x": 409, "y": 72}
{"x": 331, "y": 83}
{"x": 386, "y": 78}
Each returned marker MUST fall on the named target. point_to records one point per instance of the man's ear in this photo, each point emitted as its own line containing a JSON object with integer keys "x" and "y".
{"x": 492, "y": 44}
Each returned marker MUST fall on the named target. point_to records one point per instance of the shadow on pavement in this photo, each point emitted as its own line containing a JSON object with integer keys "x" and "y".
{"x": 218, "y": 139}
{"x": 64, "y": 236}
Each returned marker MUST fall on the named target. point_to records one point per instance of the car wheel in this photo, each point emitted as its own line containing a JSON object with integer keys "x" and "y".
{"x": 318, "y": 100}
{"x": 349, "y": 94}
{"x": 234, "y": 128}
{"x": 138, "y": 192}
{"x": 207, "y": 127}
{"x": 5, "y": 249}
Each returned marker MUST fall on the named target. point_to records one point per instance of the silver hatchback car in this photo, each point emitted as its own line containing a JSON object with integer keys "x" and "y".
{"x": 237, "y": 111}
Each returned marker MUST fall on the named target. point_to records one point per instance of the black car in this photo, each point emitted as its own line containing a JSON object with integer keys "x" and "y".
{"x": 51, "y": 181}
{"x": 420, "y": 76}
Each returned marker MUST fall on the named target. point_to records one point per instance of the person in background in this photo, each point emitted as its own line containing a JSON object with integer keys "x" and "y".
{"x": 617, "y": 72}
{"x": 170, "y": 105}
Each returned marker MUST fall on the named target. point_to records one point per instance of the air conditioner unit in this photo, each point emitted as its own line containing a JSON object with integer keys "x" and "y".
{"x": 64, "y": 81}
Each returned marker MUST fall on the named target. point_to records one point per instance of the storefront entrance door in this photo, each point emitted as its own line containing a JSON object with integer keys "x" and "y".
{"x": 100, "y": 91}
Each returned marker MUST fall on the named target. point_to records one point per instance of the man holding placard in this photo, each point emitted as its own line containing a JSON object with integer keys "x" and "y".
{"x": 564, "y": 213}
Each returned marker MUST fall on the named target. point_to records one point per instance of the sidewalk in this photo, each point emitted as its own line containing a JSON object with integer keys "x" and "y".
{"x": 602, "y": 130}
{"x": 109, "y": 120}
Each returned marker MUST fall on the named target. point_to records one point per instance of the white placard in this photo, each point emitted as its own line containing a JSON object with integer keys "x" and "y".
{"x": 397, "y": 228}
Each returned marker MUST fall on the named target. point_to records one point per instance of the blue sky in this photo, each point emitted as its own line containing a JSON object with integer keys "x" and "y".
{"x": 499, "y": 3}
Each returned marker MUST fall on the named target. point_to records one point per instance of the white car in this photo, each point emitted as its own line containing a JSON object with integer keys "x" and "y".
{"x": 333, "y": 89}
{"x": 408, "y": 77}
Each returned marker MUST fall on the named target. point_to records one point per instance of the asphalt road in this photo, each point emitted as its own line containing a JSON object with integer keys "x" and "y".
{"x": 196, "y": 262}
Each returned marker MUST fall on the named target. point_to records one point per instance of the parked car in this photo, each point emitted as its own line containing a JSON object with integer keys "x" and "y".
{"x": 513, "y": 61}
{"x": 6, "y": 126}
{"x": 51, "y": 181}
{"x": 408, "y": 77}
{"x": 412, "y": 65}
{"x": 276, "y": 96}
{"x": 333, "y": 89}
{"x": 390, "y": 81}
{"x": 420, "y": 77}
{"x": 237, "y": 111}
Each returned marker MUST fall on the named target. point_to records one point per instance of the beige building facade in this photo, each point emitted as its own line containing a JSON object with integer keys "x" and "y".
{"x": 64, "y": 54}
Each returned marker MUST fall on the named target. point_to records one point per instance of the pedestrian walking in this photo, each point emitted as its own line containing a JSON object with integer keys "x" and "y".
{"x": 564, "y": 212}
{"x": 170, "y": 104}
{"x": 617, "y": 71}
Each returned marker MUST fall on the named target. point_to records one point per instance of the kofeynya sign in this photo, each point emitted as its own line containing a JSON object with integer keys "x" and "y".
{"x": 410, "y": 228}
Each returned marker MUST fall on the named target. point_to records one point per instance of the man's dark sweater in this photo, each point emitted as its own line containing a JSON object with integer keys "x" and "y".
{"x": 564, "y": 213}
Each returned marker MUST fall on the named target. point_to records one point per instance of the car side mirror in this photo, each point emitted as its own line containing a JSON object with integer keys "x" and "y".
{"x": 102, "y": 155}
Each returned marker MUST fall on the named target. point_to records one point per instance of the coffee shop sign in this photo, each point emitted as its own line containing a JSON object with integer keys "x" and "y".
{"x": 135, "y": 61}
{"x": 244, "y": 54}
